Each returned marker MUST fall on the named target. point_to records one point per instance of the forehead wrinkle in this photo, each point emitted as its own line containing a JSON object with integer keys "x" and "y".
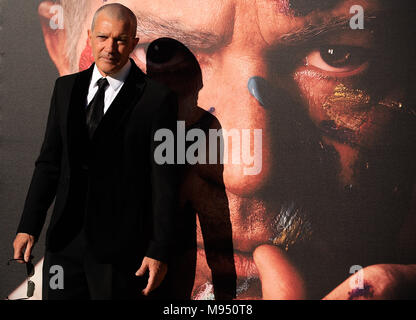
{"x": 154, "y": 27}
{"x": 311, "y": 31}
{"x": 304, "y": 7}
{"x": 284, "y": 6}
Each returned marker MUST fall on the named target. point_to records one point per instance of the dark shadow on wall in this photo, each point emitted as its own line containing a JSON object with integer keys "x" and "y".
{"x": 202, "y": 191}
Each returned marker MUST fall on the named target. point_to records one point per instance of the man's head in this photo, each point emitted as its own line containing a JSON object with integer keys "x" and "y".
{"x": 112, "y": 37}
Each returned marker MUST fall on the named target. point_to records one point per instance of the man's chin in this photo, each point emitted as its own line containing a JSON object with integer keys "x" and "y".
{"x": 109, "y": 67}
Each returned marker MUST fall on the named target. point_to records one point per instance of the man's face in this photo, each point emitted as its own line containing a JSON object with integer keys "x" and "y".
{"x": 291, "y": 69}
{"x": 111, "y": 42}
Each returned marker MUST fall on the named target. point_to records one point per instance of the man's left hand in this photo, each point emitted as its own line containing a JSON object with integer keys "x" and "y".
{"x": 157, "y": 272}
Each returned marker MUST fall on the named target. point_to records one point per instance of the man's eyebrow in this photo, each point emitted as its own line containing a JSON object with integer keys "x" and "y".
{"x": 154, "y": 27}
{"x": 312, "y": 31}
{"x": 121, "y": 36}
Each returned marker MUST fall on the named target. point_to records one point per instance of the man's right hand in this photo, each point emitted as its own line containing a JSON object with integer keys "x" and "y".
{"x": 23, "y": 245}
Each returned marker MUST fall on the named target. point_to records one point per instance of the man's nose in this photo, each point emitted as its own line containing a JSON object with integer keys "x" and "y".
{"x": 110, "y": 45}
{"x": 267, "y": 94}
{"x": 246, "y": 89}
{"x": 238, "y": 109}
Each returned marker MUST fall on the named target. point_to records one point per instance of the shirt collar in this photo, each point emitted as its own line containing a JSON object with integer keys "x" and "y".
{"x": 115, "y": 80}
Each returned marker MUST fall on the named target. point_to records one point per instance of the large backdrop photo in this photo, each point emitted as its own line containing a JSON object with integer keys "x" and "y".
{"x": 311, "y": 105}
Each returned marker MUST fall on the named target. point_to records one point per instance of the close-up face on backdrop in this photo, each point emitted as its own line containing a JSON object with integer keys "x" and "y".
{"x": 334, "y": 175}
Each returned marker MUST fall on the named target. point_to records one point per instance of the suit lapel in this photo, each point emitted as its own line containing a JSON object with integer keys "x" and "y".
{"x": 76, "y": 127}
{"x": 119, "y": 110}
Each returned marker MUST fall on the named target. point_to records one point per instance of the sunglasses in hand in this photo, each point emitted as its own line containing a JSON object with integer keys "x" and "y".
{"x": 30, "y": 271}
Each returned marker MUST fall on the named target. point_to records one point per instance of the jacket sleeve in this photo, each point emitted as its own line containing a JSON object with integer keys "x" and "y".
{"x": 43, "y": 186}
{"x": 164, "y": 180}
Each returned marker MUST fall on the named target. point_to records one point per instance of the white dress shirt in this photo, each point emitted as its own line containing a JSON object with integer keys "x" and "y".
{"x": 115, "y": 81}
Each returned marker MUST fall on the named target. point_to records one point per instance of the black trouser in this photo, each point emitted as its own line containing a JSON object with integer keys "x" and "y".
{"x": 84, "y": 278}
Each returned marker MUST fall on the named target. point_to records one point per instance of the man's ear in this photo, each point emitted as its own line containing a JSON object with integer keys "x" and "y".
{"x": 136, "y": 41}
{"x": 134, "y": 45}
{"x": 54, "y": 35}
{"x": 89, "y": 37}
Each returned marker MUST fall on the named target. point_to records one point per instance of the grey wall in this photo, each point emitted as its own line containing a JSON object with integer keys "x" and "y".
{"x": 26, "y": 81}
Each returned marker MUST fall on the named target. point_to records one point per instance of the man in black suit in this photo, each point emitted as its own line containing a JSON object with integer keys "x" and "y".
{"x": 114, "y": 204}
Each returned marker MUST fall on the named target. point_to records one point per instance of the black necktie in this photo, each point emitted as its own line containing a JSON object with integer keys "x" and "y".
{"x": 95, "y": 110}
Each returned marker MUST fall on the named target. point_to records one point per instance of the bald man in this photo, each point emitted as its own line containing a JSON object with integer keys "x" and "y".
{"x": 110, "y": 230}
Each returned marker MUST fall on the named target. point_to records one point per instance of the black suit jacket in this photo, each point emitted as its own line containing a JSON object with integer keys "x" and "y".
{"x": 111, "y": 185}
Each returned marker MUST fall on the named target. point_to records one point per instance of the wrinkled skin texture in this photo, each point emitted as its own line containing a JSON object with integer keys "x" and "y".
{"x": 337, "y": 149}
